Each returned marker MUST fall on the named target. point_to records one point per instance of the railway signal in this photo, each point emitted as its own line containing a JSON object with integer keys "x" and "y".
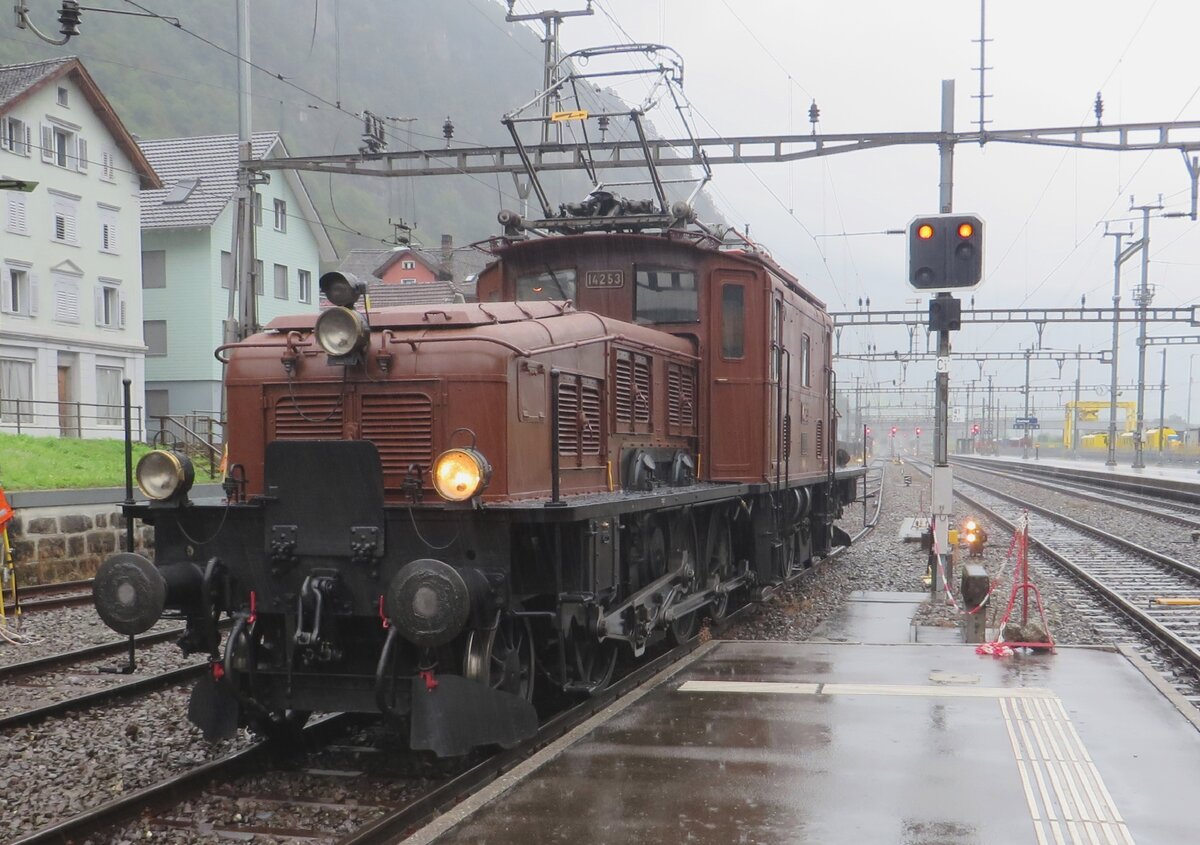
{"x": 945, "y": 251}
{"x": 973, "y": 537}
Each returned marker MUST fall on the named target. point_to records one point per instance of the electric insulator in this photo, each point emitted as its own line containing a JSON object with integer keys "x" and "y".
{"x": 448, "y": 130}
{"x": 602, "y": 122}
{"x": 1099, "y": 107}
{"x": 68, "y": 18}
{"x": 814, "y": 114}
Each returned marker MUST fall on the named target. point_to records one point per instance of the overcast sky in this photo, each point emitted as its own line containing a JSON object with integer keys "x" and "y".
{"x": 754, "y": 66}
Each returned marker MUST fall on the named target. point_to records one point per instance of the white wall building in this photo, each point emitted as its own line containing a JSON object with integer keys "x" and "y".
{"x": 70, "y": 255}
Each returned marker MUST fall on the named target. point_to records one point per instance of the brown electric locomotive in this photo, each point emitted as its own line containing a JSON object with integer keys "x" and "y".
{"x": 432, "y": 511}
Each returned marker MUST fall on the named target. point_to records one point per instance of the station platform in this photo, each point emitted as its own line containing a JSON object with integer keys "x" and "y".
{"x": 840, "y": 740}
{"x": 1182, "y": 477}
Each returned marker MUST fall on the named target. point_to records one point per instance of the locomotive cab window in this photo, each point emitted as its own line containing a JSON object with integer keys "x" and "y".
{"x": 552, "y": 284}
{"x": 733, "y": 321}
{"x": 665, "y": 296}
{"x": 805, "y": 375}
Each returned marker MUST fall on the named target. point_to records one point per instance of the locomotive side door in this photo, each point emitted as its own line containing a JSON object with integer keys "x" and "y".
{"x": 736, "y": 413}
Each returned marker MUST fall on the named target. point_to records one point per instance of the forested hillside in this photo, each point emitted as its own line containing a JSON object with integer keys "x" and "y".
{"x": 416, "y": 62}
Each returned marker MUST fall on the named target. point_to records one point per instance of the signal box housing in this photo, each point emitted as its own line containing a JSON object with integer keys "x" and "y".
{"x": 945, "y": 251}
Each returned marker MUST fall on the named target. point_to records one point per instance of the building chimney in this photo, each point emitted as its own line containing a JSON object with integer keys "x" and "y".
{"x": 447, "y": 270}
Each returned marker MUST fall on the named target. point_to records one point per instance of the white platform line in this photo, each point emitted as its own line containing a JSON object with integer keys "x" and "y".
{"x": 916, "y": 690}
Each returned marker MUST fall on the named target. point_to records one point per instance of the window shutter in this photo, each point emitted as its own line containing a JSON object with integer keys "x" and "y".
{"x": 82, "y": 159}
{"x": 33, "y": 295}
{"x": 71, "y": 236}
{"x": 6, "y": 292}
{"x": 28, "y": 142}
{"x": 99, "y": 305}
{"x": 47, "y": 143}
{"x": 121, "y": 310}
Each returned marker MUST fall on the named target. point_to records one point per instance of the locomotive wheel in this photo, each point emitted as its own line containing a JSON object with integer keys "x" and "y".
{"x": 591, "y": 661}
{"x": 654, "y": 553}
{"x": 683, "y": 550}
{"x": 720, "y": 565}
{"x": 502, "y": 658}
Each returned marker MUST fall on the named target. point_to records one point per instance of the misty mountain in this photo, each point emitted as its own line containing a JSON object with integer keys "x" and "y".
{"x": 417, "y": 63}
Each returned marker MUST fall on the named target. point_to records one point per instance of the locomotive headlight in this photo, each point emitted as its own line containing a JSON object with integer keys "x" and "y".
{"x": 459, "y": 474}
{"x": 341, "y": 331}
{"x": 163, "y": 475}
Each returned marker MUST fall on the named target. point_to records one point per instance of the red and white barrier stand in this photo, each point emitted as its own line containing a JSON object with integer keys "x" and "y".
{"x": 1023, "y": 634}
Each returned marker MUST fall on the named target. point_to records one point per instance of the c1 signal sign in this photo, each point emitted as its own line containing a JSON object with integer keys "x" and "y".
{"x": 945, "y": 251}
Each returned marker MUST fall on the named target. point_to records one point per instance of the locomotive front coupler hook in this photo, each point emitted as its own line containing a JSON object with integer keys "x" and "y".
{"x": 312, "y": 598}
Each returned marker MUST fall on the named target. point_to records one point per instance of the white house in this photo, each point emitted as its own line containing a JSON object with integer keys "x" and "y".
{"x": 187, "y": 236}
{"x": 70, "y": 252}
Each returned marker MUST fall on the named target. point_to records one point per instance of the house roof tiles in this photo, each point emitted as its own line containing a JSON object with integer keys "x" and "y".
{"x": 210, "y": 159}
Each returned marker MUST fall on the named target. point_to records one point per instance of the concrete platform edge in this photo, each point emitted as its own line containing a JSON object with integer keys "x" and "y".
{"x": 1160, "y": 683}
{"x": 507, "y": 781}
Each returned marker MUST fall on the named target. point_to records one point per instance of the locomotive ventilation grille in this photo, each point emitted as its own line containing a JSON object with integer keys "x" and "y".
{"x": 578, "y": 416}
{"x": 631, "y": 375}
{"x": 307, "y": 416}
{"x": 401, "y": 427}
{"x": 681, "y": 397}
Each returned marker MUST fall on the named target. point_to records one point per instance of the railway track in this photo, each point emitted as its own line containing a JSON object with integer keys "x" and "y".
{"x": 50, "y": 596}
{"x": 1180, "y": 513}
{"x": 158, "y": 805}
{"x": 1128, "y": 577}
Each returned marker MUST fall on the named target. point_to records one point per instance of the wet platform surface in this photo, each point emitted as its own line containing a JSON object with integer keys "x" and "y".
{"x": 848, "y": 742}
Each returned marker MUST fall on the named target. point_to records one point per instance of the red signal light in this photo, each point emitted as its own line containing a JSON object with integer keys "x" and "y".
{"x": 925, "y": 231}
{"x": 918, "y": 432}
{"x": 965, "y": 230}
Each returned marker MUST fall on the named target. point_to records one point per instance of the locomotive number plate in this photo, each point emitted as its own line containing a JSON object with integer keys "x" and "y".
{"x": 604, "y": 279}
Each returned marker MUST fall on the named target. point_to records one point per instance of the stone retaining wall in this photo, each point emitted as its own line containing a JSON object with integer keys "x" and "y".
{"x": 67, "y": 543}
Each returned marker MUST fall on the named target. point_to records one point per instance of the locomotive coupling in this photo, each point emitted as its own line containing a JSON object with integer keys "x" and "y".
{"x": 130, "y": 592}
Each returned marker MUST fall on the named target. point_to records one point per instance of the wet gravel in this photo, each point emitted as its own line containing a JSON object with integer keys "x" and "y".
{"x": 48, "y": 632}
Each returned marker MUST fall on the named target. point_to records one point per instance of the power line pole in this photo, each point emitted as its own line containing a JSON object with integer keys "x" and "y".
{"x": 551, "y": 21}
{"x": 1118, "y": 260}
{"x": 1075, "y": 409}
{"x": 243, "y": 230}
{"x": 1143, "y": 295}
{"x": 1162, "y": 406}
{"x": 1027, "y": 429}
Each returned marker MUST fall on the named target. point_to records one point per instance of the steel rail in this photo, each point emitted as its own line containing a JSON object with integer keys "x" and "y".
{"x": 57, "y": 708}
{"x": 67, "y": 658}
{"x": 179, "y": 787}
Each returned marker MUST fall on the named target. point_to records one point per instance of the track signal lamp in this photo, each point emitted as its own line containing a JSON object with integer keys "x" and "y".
{"x": 945, "y": 251}
{"x": 973, "y": 537}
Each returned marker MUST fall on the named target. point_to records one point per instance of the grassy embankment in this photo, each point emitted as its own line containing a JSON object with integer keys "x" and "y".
{"x": 52, "y": 463}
